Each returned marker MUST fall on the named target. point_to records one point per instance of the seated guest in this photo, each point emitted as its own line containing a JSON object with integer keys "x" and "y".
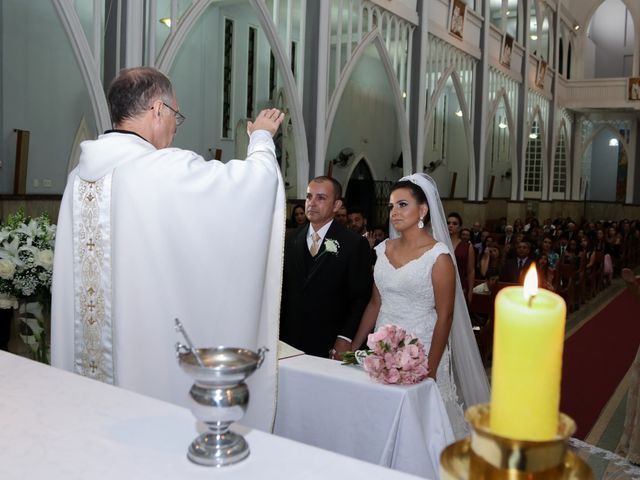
{"x": 297, "y": 218}
{"x": 508, "y": 235}
{"x": 546, "y": 249}
{"x": 486, "y": 287}
{"x": 357, "y": 221}
{"x": 515, "y": 268}
{"x": 546, "y": 274}
{"x": 341, "y": 216}
{"x": 464, "y": 253}
{"x": 490, "y": 259}
{"x": 379, "y": 234}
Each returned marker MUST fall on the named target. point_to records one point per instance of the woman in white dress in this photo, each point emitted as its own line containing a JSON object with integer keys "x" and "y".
{"x": 417, "y": 288}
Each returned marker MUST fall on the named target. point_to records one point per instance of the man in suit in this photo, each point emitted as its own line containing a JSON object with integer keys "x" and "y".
{"x": 476, "y": 233}
{"x": 327, "y": 277}
{"x": 515, "y": 268}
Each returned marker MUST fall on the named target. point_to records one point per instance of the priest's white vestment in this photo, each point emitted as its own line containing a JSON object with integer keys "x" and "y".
{"x": 146, "y": 236}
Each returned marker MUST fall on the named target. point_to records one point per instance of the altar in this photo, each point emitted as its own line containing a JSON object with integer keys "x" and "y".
{"x": 58, "y": 425}
{"x": 339, "y": 408}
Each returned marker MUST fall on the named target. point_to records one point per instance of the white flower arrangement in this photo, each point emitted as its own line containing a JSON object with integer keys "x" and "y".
{"x": 26, "y": 269}
{"x": 26, "y": 258}
{"x": 331, "y": 246}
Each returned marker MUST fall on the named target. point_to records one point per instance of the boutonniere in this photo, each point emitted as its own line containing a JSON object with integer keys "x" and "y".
{"x": 330, "y": 246}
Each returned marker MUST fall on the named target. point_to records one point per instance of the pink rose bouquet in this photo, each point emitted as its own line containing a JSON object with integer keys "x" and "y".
{"x": 395, "y": 357}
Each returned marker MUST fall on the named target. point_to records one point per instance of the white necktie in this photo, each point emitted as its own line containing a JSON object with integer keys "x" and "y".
{"x": 315, "y": 244}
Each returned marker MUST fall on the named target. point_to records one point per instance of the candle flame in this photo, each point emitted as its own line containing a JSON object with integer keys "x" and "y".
{"x": 530, "y": 283}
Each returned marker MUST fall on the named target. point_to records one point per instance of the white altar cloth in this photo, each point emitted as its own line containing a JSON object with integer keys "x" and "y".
{"x": 58, "y": 425}
{"x": 336, "y": 407}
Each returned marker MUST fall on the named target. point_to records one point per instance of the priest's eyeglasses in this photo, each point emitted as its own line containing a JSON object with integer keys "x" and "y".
{"x": 179, "y": 117}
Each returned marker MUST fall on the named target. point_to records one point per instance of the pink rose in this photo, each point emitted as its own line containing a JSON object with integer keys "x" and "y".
{"x": 392, "y": 376}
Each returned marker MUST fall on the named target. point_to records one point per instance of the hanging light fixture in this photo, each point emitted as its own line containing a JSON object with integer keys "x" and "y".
{"x": 501, "y": 124}
{"x": 613, "y": 142}
{"x": 459, "y": 113}
{"x": 533, "y": 136}
{"x": 166, "y": 21}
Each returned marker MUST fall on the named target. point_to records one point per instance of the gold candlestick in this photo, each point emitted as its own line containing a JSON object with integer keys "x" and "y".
{"x": 488, "y": 456}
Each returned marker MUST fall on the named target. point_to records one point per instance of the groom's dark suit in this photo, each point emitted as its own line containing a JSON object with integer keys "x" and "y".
{"x": 325, "y": 296}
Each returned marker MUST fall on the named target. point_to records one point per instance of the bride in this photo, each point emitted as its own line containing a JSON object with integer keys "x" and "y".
{"x": 417, "y": 288}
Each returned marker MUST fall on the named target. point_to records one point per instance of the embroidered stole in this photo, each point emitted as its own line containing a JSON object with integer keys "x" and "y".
{"x": 93, "y": 343}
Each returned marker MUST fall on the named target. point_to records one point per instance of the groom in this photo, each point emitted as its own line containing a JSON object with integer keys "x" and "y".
{"x": 327, "y": 277}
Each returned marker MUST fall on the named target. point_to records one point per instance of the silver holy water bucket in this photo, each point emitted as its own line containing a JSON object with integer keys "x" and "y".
{"x": 218, "y": 398}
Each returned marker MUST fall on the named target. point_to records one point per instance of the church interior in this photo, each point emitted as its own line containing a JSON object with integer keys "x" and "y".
{"x": 518, "y": 109}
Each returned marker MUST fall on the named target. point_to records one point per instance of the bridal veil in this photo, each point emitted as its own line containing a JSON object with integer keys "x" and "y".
{"x": 468, "y": 370}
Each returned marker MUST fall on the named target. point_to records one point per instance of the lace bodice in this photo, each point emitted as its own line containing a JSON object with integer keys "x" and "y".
{"x": 408, "y": 301}
{"x": 407, "y": 292}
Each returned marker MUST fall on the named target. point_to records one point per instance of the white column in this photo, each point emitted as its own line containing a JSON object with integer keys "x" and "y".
{"x": 134, "y": 32}
{"x": 322, "y": 71}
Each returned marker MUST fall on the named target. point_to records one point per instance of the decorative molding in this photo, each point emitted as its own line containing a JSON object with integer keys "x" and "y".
{"x": 373, "y": 37}
{"x": 291, "y": 92}
{"x": 89, "y": 68}
{"x": 176, "y": 38}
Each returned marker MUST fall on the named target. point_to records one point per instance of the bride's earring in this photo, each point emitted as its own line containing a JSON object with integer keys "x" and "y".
{"x": 421, "y": 223}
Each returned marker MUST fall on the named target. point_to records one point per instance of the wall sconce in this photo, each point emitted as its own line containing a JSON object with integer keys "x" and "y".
{"x": 576, "y": 28}
{"x": 459, "y": 113}
{"x": 613, "y": 142}
{"x": 166, "y": 21}
{"x": 404, "y": 94}
{"x": 533, "y": 37}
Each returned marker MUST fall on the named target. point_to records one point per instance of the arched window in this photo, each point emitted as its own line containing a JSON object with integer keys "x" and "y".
{"x": 560, "y": 164}
{"x": 533, "y": 161}
{"x": 612, "y": 32}
{"x": 560, "y": 57}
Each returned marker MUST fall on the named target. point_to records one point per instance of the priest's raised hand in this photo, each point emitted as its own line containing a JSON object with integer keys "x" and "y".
{"x": 268, "y": 119}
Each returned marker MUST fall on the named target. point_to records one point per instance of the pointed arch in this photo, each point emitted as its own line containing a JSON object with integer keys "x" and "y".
{"x": 502, "y": 97}
{"x": 558, "y": 171}
{"x": 536, "y": 118}
{"x": 621, "y": 140}
{"x": 372, "y": 38}
{"x": 87, "y": 63}
{"x": 188, "y": 20}
{"x": 438, "y": 91}
{"x": 167, "y": 57}
{"x": 355, "y": 164}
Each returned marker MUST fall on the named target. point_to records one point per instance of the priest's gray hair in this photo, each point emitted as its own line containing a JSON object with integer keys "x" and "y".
{"x": 134, "y": 90}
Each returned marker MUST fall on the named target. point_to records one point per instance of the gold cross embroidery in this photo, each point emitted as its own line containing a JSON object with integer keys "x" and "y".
{"x": 90, "y": 244}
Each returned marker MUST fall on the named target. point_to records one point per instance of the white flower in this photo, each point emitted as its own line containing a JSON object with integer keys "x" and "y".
{"x": 44, "y": 258}
{"x": 331, "y": 245}
{"x": 7, "y": 269}
{"x": 8, "y": 301}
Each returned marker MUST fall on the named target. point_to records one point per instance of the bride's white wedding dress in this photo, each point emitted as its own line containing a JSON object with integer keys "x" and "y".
{"x": 408, "y": 301}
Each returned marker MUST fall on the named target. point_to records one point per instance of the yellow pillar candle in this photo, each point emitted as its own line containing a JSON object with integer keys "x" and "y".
{"x": 527, "y": 361}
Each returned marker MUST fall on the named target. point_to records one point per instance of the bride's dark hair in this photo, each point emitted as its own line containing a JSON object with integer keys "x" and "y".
{"x": 417, "y": 193}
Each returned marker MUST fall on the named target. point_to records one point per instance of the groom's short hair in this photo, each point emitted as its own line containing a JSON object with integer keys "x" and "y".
{"x": 337, "y": 188}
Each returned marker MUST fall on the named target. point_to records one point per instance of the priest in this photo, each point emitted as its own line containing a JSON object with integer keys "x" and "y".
{"x": 148, "y": 233}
